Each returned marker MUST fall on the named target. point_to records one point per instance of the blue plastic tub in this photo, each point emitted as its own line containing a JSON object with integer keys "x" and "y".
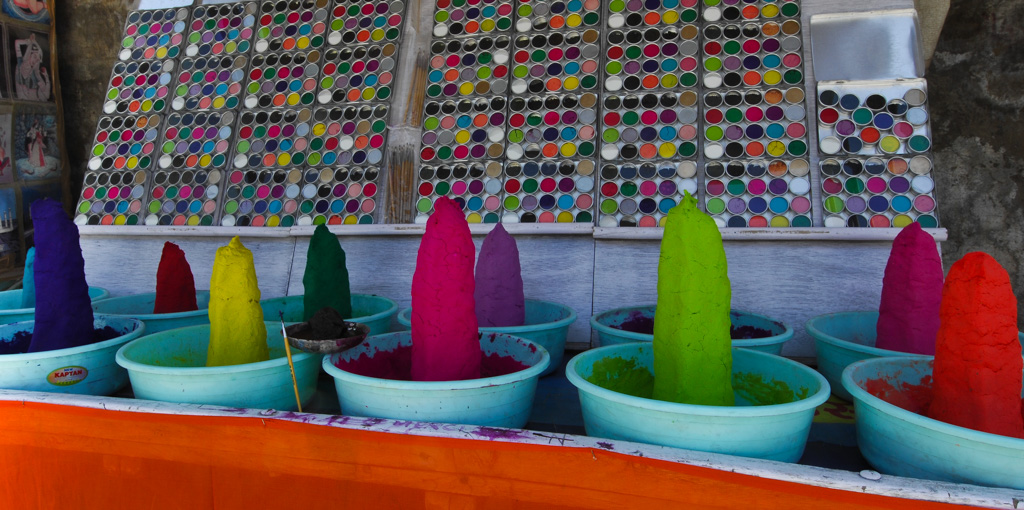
{"x": 501, "y": 401}
{"x": 547, "y": 324}
{"x": 11, "y": 310}
{"x": 140, "y": 306}
{"x": 844, "y": 338}
{"x": 374, "y": 311}
{"x": 170, "y": 366}
{"x": 900, "y": 442}
{"x": 605, "y": 324}
{"x": 86, "y": 370}
{"x": 776, "y": 431}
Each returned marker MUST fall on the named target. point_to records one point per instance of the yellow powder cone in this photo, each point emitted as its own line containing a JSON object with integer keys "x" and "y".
{"x": 237, "y": 332}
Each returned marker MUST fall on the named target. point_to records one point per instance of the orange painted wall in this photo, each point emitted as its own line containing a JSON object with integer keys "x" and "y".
{"x": 55, "y": 456}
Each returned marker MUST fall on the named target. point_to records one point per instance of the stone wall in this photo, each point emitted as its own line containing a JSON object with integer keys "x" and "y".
{"x": 976, "y": 86}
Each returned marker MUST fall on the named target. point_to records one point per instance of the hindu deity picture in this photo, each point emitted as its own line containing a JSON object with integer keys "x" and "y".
{"x": 36, "y": 152}
{"x": 35, "y": 11}
{"x": 9, "y": 239}
{"x": 29, "y": 61}
{"x": 6, "y": 163}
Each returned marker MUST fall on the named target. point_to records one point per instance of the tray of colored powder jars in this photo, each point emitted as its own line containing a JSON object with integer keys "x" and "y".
{"x": 183, "y": 197}
{"x": 358, "y": 22}
{"x": 642, "y": 194}
{"x": 873, "y": 118}
{"x": 878, "y": 191}
{"x": 111, "y": 198}
{"x": 466, "y": 67}
{"x": 139, "y": 87}
{"x": 471, "y": 17}
{"x": 125, "y": 143}
{"x": 552, "y": 126}
{"x": 748, "y": 10}
{"x": 534, "y": 15}
{"x": 753, "y": 54}
{"x": 662, "y": 57}
{"x": 555, "y": 62}
{"x": 475, "y": 186}
{"x": 221, "y": 29}
{"x": 758, "y": 193}
{"x": 360, "y": 73}
{"x": 155, "y": 34}
{"x": 272, "y": 138}
{"x": 738, "y": 125}
{"x": 282, "y": 79}
{"x": 196, "y": 140}
{"x": 343, "y": 195}
{"x": 295, "y": 25}
{"x": 649, "y": 126}
{"x": 550, "y": 191}
{"x": 209, "y": 83}
{"x": 650, "y": 13}
{"x": 255, "y": 198}
{"x": 349, "y": 135}
{"x": 464, "y": 129}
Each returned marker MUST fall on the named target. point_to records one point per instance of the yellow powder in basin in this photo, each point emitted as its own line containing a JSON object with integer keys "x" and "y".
{"x": 237, "y": 332}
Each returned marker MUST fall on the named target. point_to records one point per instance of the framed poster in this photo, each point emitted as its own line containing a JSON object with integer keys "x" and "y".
{"x": 37, "y": 154}
{"x": 33, "y": 11}
{"x": 28, "y": 58}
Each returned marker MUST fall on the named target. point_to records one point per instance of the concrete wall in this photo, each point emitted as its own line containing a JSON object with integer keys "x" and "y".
{"x": 976, "y": 82}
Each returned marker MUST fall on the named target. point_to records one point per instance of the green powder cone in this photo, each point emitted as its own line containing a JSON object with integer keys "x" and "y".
{"x": 692, "y": 345}
{"x": 326, "y": 277}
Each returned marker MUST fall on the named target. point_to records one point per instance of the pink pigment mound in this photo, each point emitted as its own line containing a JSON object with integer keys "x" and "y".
{"x": 499, "y": 297}
{"x": 445, "y": 342}
{"x": 908, "y": 317}
{"x": 396, "y": 365}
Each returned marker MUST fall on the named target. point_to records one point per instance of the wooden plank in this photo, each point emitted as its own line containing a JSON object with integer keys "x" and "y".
{"x": 786, "y": 280}
{"x": 127, "y": 265}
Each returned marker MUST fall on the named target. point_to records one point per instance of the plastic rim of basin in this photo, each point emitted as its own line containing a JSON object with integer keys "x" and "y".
{"x": 547, "y": 324}
{"x": 608, "y": 335}
{"x": 140, "y": 306}
{"x": 11, "y": 311}
{"x": 500, "y": 401}
{"x": 900, "y": 442}
{"x": 45, "y": 371}
{"x": 774, "y": 432}
{"x": 372, "y": 310}
{"x": 843, "y": 338}
{"x": 170, "y": 366}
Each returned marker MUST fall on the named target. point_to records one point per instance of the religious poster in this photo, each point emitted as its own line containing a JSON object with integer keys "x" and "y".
{"x": 9, "y": 239}
{"x": 35, "y": 147}
{"x": 35, "y": 11}
{"x": 28, "y": 55}
{"x": 6, "y": 159}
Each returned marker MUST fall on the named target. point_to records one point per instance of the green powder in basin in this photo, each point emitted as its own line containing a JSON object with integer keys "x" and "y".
{"x": 756, "y": 391}
{"x": 692, "y": 345}
{"x": 622, "y": 376}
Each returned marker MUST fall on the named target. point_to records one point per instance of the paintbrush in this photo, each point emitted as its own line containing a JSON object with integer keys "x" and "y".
{"x": 291, "y": 367}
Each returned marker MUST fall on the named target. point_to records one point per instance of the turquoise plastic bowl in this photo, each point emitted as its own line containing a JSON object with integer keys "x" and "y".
{"x": 374, "y": 311}
{"x": 775, "y": 432}
{"x": 170, "y": 366}
{"x": 547, "y": 324}
{"x": 11, "y": 310}
{"x": 603, "y": 324}
{"x": 844, "y": 338}
{"x": 903, "y": 443}
{"x": 501, "y": 401}
{"x": 140, "y": 306}
{"x": 86, "y": 370}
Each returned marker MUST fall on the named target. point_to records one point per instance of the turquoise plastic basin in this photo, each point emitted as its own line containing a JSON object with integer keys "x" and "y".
{"x": 170, "y": 366}
{"x": 501, "y": 401}
{"x": 844, "y": 338}
{"x": 11, "y": 310}
{"x": 899, "y": 442}
{"x": 86, "y": 370}
{"x": 374, "y": 311}
{"x": 140, "y": 306}
{"x": 547, "y": 324}
{"x": 774, "y": 431}
{"x": 604, "y": 322}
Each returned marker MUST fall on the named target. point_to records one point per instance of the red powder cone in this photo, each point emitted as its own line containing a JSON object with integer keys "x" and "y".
{"x": 175, "y": 285}
{"x": 977, "y": 357}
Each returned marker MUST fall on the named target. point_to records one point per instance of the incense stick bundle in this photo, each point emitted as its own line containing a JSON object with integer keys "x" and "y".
{"x": 400, "y": 181}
